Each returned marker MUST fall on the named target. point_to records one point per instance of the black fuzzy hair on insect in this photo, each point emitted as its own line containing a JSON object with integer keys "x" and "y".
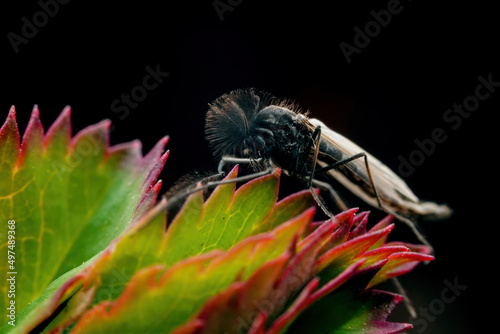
{"x": 241, "y": 123}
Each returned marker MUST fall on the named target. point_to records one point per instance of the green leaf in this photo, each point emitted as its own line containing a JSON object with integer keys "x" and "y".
{"x": 204, "y": 227}
{"x": 69, "y": 198}
{"x": 160, "y": 298}
{"x": 93, "y": 246}
{"x": 191, "y": 232}
{"x": 149, "y": 245}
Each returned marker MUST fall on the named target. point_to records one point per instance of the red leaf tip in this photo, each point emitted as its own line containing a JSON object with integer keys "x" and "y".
{"x": 11, "y": 118}
{"x": 9, "y": 131}
{"x": 164, "y": 141}
{"x": 12, "y": 112}
{"x": 62, "y": 123}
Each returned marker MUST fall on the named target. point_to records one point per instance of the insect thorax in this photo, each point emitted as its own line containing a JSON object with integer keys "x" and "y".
{"x": 287, "y": 145}
{"x": 293, "y": 147}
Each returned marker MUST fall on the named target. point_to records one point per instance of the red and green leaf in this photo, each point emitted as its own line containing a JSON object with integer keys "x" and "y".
{"x": 195, "y": 279}
{"x": 69, "y": 196}
{"x": 96, "y": 255}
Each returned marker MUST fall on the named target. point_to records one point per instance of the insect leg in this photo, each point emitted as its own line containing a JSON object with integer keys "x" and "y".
{"x": 407, "y": 301}
{"x": 412, "y": 225}
{"x": 345, "y": 161}
{"x": 233, "y": 160}
{"x": 342, "y": 206}
{"x": 316, "y": 137}
{"x": 336, "y": 198}
{"x": 405, "y": 220}
{"x": 196, "y": 187}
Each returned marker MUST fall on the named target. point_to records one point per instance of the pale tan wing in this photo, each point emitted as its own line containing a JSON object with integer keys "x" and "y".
{"x": 393, "y": 191}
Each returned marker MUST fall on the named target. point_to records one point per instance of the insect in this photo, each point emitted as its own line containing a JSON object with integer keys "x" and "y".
{"x": 254, "y": 128}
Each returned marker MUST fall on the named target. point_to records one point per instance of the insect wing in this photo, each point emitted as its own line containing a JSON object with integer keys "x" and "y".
{"x": 393, "y": 192}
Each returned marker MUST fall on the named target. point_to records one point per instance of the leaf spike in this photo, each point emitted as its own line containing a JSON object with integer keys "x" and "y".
{"x": 61, "y": 124}
{"x": 32, "y": 138}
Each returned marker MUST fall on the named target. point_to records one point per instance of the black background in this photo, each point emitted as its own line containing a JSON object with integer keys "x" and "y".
{"x": 393, "y": 92}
